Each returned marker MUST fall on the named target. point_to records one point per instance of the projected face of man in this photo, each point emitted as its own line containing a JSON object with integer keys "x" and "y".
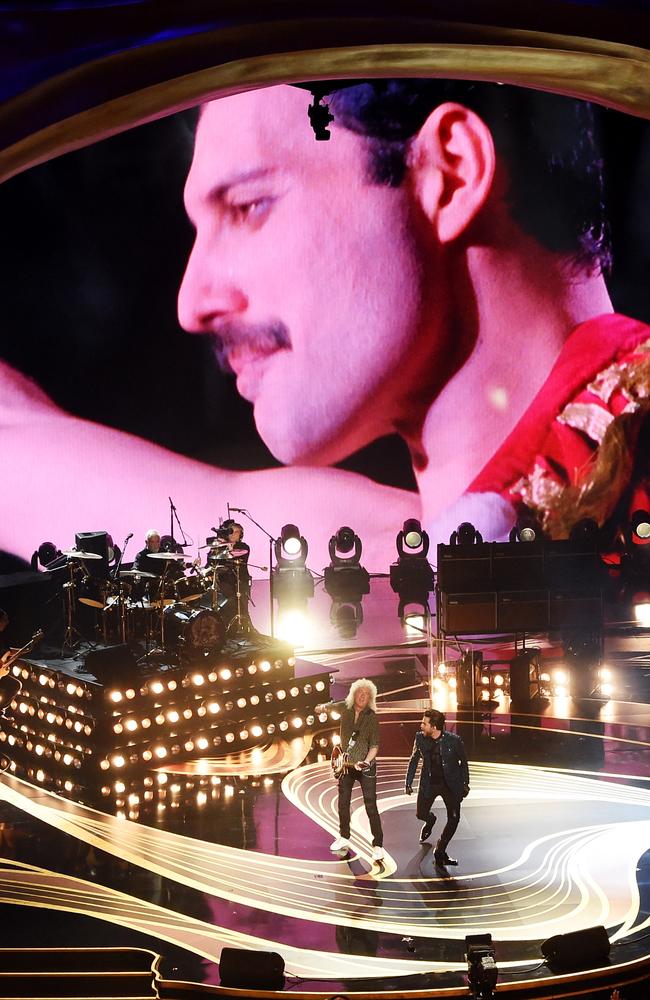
{"x": 318, "y": 283}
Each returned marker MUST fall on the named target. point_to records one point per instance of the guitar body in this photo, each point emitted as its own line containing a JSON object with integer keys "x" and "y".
{"x": 340, "y": 762}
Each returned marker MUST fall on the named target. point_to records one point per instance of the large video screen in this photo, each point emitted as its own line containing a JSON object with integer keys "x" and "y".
{"x": 437, "y": 312}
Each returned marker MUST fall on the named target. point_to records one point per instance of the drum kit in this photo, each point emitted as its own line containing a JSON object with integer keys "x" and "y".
{"x": 171, "y": 612}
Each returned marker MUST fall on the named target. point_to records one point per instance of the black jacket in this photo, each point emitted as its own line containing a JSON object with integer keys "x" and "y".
{"x": 452, "y": 757}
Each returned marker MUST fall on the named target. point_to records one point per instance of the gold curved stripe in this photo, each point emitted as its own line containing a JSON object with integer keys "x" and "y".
{"x": 610, "y": 73}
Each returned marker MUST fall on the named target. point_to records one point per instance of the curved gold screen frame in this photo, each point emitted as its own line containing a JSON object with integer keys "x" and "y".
{"x": 610, "y": 73}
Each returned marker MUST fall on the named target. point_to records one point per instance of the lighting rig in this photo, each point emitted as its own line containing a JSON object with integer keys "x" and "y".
{"x": 72, "y": 735}
{"x": 346, "y": 581}
{"x": 412, "y": 577}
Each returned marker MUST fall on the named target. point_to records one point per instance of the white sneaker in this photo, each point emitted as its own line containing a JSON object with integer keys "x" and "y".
{"x": 340, "y": 844}
{"x": 378, "y": 854}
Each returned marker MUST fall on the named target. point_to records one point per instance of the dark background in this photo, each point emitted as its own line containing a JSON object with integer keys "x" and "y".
{"x": 93, "y": 249}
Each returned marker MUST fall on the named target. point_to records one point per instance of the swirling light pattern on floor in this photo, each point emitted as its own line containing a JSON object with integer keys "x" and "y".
{"x": 553, "y": 883}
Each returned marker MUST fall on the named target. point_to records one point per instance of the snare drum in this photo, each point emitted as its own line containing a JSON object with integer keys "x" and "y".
{"x": 189, "y": 588}
{"x": 193, "y": 629}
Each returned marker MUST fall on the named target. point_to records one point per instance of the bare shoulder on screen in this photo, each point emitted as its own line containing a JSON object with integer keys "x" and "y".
{"x": 20, "y": 396}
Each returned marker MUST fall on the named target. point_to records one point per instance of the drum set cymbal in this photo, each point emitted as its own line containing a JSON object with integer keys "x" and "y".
{"x": 76, "y": 554}
{"x": 178, "y": 556}
{"x": 140, "y": 573}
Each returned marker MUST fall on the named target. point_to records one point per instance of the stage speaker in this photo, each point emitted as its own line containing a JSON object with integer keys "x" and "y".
{"x": 97, "y": 542}
{"x": 524, "y": 678}
{"x": 242, "y": 968}
{"x": 576, "y": 609}
{"x": 465, "y": 568}
{"x": 112, "y": 664}
{"x": 581, "y": 949}
{"x": 523, "y": 610}
{"x": 471, "y": 614}
{"x": 468, "y": 678}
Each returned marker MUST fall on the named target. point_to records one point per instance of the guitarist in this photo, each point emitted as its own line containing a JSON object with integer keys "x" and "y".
{"x": 9, "y": 686}
{"x": 360, "y": 740}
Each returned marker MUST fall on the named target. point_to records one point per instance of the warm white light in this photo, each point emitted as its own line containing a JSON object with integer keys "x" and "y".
{"x": 160, "y": 752}
{"x": 265, "y": 666}
{"x": 442, "y": 668}
{"x": 415, "y": 625}
{"x": 243, "y": 735}
{"x": 230, "y": 737}
{"x": 294, "y": 692}
{"x": 214, "y": 707}
{"x": 256, "y": 731}
{"x": 225, "y": 674}
{"x": 294, "y": 627}
{"x": 336, "y": 739}
{"x": 485, "y": 679}
{"x": 605, "y": 674}
{"x": 201, "y": 798}
{"x": 607, "y": 690}
{"x": 297, "y": 722}
{"x": 157, "y": 687}
{"x": 198, "y": 679}
{"x": 145, "y": 723}
{"x": 560, "y": 676}
{"x": 642, "y": 613}
{"x": 284, "y": 725}
{"x": 498, "y": 680}
{"x": 254, "y": 699}
{"x": 117, "y": 761}
{"x": 131, "y": 725}
{"x": 114, "y": 695}
{"x": 228, "y": 791}
{"x": 202, "y": 743}
{"x": 130, "y": 693}
{"x": 173, "y": 716}
{"x": 280, "y": 694}
{"x": 241, "y": 703}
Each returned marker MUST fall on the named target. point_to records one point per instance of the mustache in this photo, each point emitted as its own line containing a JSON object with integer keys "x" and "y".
{"x": 262, "y": 338}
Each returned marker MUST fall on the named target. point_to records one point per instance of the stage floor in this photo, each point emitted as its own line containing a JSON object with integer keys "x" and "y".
{"x": 554, "y": 837}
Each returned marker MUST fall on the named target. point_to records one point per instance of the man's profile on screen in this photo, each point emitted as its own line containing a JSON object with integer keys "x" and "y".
{"x": 436, "y": 270}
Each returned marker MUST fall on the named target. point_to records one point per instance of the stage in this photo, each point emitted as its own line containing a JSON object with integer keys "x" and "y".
{"x": 233, "y": 851}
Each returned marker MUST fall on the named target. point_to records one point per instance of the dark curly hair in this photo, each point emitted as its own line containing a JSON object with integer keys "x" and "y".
{"x": 549, "y": 143}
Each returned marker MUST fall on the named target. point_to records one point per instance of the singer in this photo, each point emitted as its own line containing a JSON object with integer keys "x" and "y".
{"x": 360, "y": 740}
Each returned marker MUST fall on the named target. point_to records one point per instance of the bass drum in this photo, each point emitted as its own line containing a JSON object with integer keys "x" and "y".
{"x": 193, "y": 629}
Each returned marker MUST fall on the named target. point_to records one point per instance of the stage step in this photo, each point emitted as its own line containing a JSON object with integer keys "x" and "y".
{"x": 67, "y": 973}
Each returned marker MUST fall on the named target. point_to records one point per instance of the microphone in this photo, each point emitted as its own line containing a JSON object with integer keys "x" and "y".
{"x": 239, "y": 510}
{"x": 215, "y": 530}
{"x": 128, "y": 536}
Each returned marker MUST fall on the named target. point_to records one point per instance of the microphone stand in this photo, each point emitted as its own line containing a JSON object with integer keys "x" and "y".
{"x": 173, "y": 513}
{"x": 120, "y": 596}
{"x": 271, "y": 538}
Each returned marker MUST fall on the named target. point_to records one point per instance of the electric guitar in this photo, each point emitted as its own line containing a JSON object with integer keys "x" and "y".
{"x": 340, "y": 761}
{"x": 10, "y": 657}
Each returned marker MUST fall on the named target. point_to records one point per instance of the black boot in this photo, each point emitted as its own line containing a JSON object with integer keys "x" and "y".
{"x": 441, "y": 857}
{"x": 425, "y": 832}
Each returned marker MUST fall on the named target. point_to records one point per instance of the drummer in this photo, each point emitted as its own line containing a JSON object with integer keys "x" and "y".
{"x": 143, "y": 560}
{"x": 237, "y": 553}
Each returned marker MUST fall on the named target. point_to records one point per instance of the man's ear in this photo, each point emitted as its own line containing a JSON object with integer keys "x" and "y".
{"x": 452, "y": 164}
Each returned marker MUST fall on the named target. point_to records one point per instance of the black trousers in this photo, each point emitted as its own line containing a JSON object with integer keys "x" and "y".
{"x": 368, "y": 784}
{"x": 427, "y": 795}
